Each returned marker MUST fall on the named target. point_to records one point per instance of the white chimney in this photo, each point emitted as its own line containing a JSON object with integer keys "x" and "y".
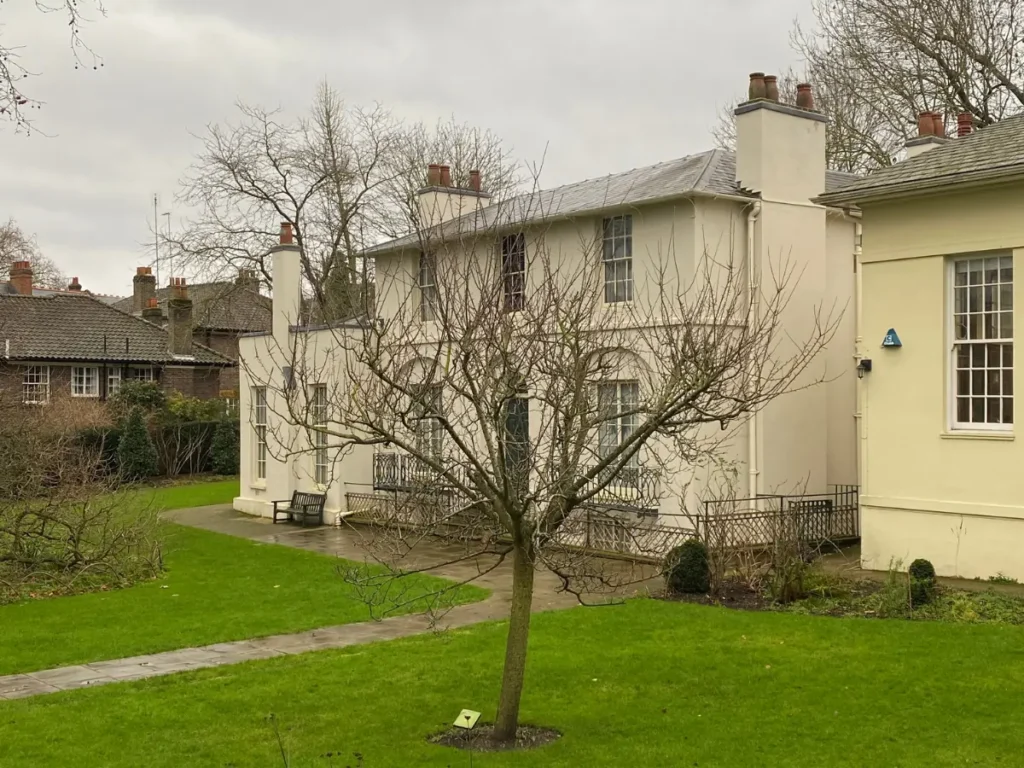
{"x": 439, "y": 201}
{"x": 287, "y": 276}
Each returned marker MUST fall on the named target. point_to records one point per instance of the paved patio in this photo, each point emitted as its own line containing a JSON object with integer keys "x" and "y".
{"x": 339, "y": 542}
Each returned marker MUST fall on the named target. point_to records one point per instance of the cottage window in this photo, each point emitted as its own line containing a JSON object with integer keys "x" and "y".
{"x": 113, "y": 381}
{"x": 428, "y": 287}
{"x": 617, "y": 403}
{"x": 617, "y": 255}
{"x": 318, "y": 416}
{"x": 35, "y": 385}
{"x": 982, "y": 354}
{"x": 513, "y": 271}
{"x": 85, "y": 381}
{"x": 144, "y": 373}
{"x": 259, "y": 423}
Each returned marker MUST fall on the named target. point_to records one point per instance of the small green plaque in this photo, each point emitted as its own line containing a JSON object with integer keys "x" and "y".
{"x": 467, "y": 719}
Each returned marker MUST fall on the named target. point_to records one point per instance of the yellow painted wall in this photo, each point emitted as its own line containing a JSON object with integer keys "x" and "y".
{"x": 954, "y": 497}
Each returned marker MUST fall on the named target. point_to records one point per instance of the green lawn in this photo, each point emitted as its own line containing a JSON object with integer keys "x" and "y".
{"x": 183, "y": 495}
{"x": 645, "y": 684}
{"x": 215, "y": 588}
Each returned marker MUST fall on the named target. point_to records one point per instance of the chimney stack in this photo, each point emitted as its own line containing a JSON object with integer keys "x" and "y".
{"x": 446, "y": 176}
{"x": 179, "y": 317}
{"x": 964, "y": 124}
{"x": 247, "y": 278}
{"x": 931, "y": 133}
{"x": 143, "y": 288}
{"x": 474, "y": 181}
{"x": 152, "y": 312}
{"x": 21, "y": 277}
{"x": 433, "y": 175}
{"x": 287, "y": 235}
{"x": 74, "y": 286}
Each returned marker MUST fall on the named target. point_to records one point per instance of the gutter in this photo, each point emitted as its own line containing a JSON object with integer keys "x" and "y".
{"x": 753, "y": 286}
{"x": 932, "y": 184}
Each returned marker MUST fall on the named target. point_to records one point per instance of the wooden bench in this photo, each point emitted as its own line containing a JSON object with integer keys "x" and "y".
{"x": 301, "y": 508}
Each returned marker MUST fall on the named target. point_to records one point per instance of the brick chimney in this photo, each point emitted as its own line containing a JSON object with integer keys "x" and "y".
{"x": 21, "y": 277}
{"x": 179, "y": 318}
{"x": 247, "y": 279}
{"x": 964, "y": 124}
{"x": 152, "y": 312}
{"x": 74, "y": 286}
{"x": 144, "y": 288}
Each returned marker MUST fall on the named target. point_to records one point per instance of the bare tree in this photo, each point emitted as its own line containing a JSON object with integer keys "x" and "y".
{"x": 344, "y": 177}
{"x": 876, "y": 64}
{"x": 507, "y": 403}
{"x": 14, "y": 73}
{"x": 15, "y": 245}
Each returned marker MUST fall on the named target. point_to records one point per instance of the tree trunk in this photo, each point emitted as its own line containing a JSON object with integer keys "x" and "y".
{"x": 515, "y": 647}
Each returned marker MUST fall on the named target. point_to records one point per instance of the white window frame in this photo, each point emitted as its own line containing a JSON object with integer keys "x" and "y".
{"x": 141, "y": 373}
{"x": 259, "y": 425}
{"x": 82, "y": 376}
{"x": 982, "y": 369}
{"x": 35, "y": 378}
{"x": 426, "y": 279}
{"x": 429, "y": 432}
{"x": 625, "y": 397}
{"x": 318, "y": 416}
{"x": 115, "y": 376}
{"x": 617, "y": 258}
{"x": 513, "y": 272}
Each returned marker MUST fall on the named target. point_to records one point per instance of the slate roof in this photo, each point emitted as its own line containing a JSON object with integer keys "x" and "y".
{"x": 991, "y": 152}
{"x": 224, "y": 306}
{"x": 707, "y": 173}
{"x": 69, "y": 327}
{"x": 6, "y": 289}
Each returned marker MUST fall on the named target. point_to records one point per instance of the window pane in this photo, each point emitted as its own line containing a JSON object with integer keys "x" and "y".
{"x": 991, "y": 270}
{"x": 975, "y": 299}
{"x": 1007, "y": 382}
{"x": 963, "y": 382}
{"x": 977, "y": 356}
{"x": 974, "y": 326}
{"x": 963, "y": 409}
{"x": 991, "y": 321}
{"x": 1006, "y": 325}
{"x": 978, "y": 410}
{"x": 977, "y": 382}
{"x": 1006, "y": 296}
{"x": 993, "y": 382}
{"x": 960, "y": 300}
{"x": 976, "y": 272}
{"x": 1006, "y": 269}
{"x": 960, "y": 273}
{"x": 993, "y": 411}
{"x": 1007, "y": 410}
{"x": 993, "y": 355}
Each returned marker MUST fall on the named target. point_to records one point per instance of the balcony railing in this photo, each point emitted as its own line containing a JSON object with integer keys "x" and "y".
{"x": 632, "y": 488}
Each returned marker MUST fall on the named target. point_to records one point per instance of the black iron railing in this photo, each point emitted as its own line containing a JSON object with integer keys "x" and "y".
{"x": 631, "y": 488}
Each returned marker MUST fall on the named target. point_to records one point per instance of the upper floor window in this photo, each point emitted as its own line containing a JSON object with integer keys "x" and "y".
{"x": 35, "y": 385}
{"x": 617, "y": 255}
{"x": 982, "y": 343}
{"x": 513, "y": 271}
{"x": 85, "y": 381}
{"x": 428, "y": 287}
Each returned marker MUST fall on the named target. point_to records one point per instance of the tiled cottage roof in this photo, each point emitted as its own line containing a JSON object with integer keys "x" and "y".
{"x": 707, "y": 173}
{"x": 63, "y": 327}
{"x": 991, "y": 152}
{"x": 224, "y": 306}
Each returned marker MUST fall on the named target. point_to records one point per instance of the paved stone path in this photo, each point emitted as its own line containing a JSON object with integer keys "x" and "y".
{"x": 334, "y": 541}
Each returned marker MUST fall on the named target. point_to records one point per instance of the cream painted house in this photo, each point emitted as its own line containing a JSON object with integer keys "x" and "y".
{"x": 941, "y": 463}
{"x": 753, "y": 208}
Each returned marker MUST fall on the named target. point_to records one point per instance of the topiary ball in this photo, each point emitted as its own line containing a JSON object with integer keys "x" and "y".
{"x": 922, "y": 581}
{"x": 687, "y": 570}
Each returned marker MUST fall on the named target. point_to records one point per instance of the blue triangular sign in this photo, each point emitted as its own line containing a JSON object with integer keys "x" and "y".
{"x": 891, "y": 339}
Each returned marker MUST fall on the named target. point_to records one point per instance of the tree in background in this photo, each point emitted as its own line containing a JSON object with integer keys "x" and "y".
{"x": 225, "y": 449}
{"x": 136, "y": 453}
{"x": 344, "y": 177}
{"x": 876, "y": 64}
{"x": 15, "y": 245}
{"x": 15, "y": 100}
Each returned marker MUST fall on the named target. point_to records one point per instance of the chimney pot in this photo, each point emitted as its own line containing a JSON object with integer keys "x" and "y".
{"x": 433, "y": 175}
{"x": 939, "y": 124}
{"x": 287, "y": 236}
{"x": 152, "y": 302}
{"x": 771, "y": 88}
{"x": 446, "y": 176}
{"x": 74, "y": 285}
{"x": 179, "y": 318}
{"x": 964, "y": 124}
{"x": 474, "y": 181}
{"x": 143, "y": 287}
{"x": 21, "y": 277}
{"x": 925, "y": 124}
{"x": 804, "y": 96}
{"x": 757, "y": 88}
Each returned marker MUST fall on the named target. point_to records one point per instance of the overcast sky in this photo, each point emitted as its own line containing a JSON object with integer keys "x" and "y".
{"x": 605, "y": 85}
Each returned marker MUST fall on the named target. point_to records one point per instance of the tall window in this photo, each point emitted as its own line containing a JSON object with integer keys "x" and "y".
{"x": 259, "y": 423}
{"x": 617, "y": 402}
{"x": 113, "y": 381}
{"x": 428, "y": 287}
{"x": 617, "y": 254}
{"x": 429, "y": 432}
{"x": 318, "y": 415}
{"x": 85, "y": 382}
{"x": 983, "y": 343}
{"x": 35, "y": 385}
{"x": 513, "y": 271}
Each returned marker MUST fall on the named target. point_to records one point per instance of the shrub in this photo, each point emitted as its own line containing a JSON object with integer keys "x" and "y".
{"x": 225, "y": 448}
{"x": 183, "y": 409}
{"x": 136, "y": 453}
{"x": 103, "y": 443}
{"x": 686, "y": 568}
{"x": 145, "y": 395}
{"x": 183, "y": 447}
{"x": 893, "y": 599}
{"x": 922, "y": 582}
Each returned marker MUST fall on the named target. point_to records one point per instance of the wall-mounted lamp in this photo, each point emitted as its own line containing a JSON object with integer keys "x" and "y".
{"x": 864, "y": 366}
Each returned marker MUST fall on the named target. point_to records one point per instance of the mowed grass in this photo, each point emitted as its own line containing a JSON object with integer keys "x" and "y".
{"x": 644, "y": 684}
{"x": 215, "y": 588}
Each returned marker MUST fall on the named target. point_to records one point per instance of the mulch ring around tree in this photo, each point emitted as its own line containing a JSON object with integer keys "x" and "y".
{"x": 479, "y": 739}
{"x": 733, "y": 594}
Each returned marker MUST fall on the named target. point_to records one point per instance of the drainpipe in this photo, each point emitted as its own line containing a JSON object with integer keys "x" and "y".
{"x": 858, "y": 349}
{"x": 753, "y": 286}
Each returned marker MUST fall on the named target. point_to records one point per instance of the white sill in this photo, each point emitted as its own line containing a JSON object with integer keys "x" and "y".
{"x": 259, "y": 485}
{"x": 85, "y": 397}
{"x": 977, "y": 434}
